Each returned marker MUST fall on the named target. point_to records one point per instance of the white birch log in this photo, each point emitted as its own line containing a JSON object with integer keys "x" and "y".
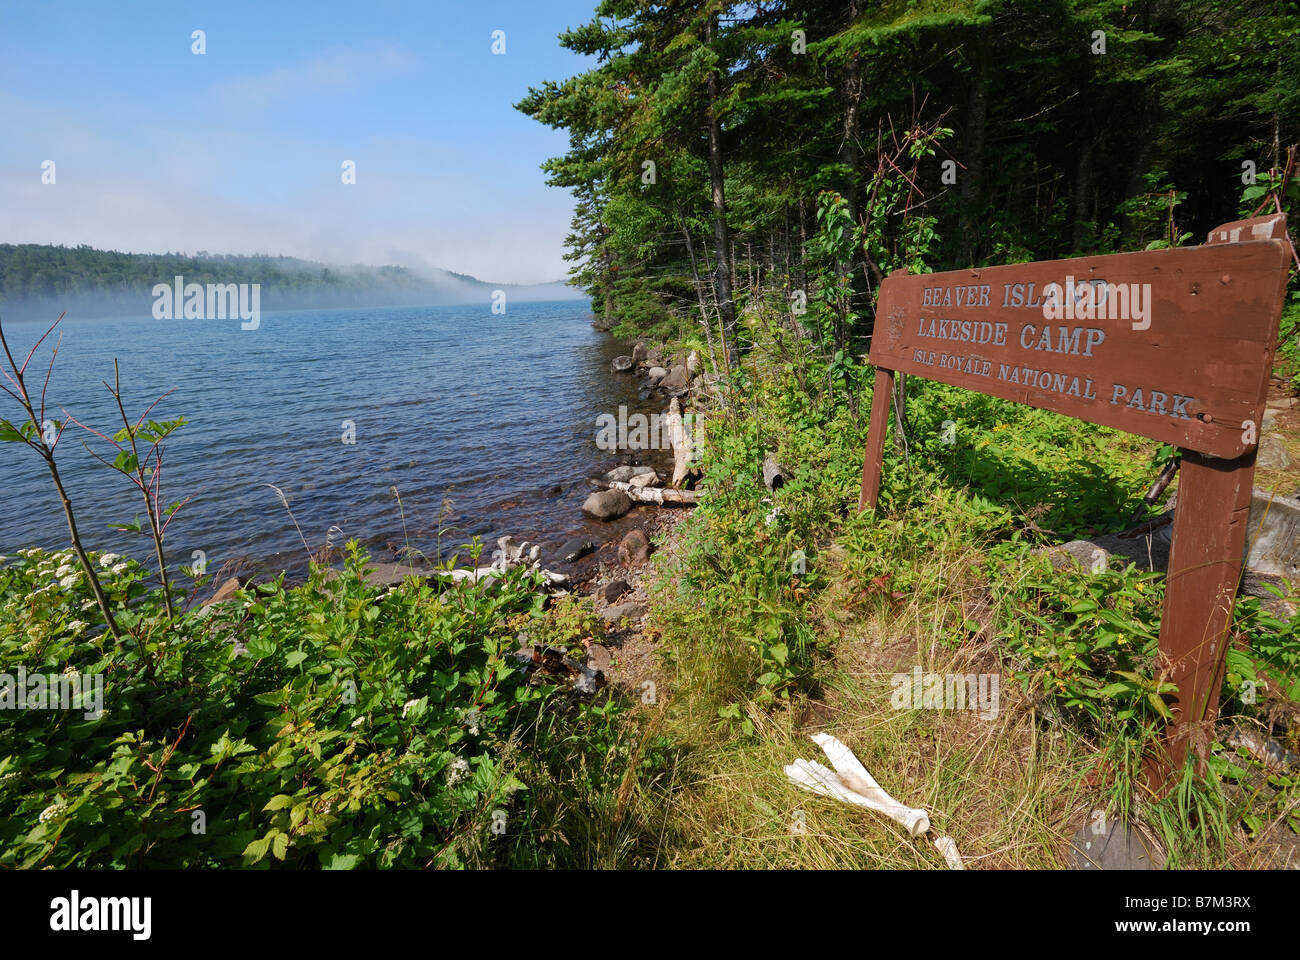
{"x": 774, "y": 473}
{"x": 659, "y": 495}
{"x": 675, "y": 431}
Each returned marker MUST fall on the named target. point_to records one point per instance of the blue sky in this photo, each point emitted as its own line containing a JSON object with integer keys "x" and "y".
{"x": 240, "y": 150}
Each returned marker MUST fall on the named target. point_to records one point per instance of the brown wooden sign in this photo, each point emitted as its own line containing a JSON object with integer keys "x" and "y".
{"x": 1176, "y": 345}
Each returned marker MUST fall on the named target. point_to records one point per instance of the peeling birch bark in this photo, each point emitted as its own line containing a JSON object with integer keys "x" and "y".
{"x": 659, "y": 495}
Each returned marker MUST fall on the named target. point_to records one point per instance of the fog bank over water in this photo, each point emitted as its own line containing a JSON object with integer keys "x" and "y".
{"x": 38, "y": 282}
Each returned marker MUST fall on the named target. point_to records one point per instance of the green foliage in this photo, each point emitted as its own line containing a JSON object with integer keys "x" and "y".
{"x": 1091, "y": 641}
{"x": 326, "y": 726}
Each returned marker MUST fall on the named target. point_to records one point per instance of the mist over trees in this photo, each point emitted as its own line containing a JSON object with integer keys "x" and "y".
{"x": 36, "y": 279}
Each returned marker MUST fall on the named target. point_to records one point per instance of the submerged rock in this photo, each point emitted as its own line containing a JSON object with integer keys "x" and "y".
{"x": 622, "y": 364}
{"x": 574, "y": 549}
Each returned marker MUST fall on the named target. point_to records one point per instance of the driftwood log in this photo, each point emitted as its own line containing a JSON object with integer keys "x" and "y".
{"x": 681, "y": 443}
{"x": 659, "y": 495}
{"x": 774, "y": 474}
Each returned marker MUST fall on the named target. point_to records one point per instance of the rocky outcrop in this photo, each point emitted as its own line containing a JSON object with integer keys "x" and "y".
{"x": 1272, "y": 547}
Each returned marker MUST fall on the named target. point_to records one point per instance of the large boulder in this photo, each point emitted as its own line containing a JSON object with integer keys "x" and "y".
{"x": 607, "y": 504}
{"x": 622, "y": 364}
{"x": 393, "y": 574}
{"x": 678, "y": 378}
{"x": 1272, "y": 542}
{"x": 639, "y": 353}
{"x": 656, "y": 374}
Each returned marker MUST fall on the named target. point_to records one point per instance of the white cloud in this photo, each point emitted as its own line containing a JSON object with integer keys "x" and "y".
{"x": 333, "y": 69}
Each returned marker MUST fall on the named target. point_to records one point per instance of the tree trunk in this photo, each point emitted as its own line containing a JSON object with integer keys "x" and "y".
{"x": 972, "y": 176}
{"x": 849, "y": 134}
{"x": 1082, "y": 196}
{"x": 722, "y": 283}
{"x": 699, "y": 291}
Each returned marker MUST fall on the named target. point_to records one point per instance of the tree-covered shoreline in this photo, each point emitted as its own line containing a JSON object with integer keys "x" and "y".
{"x": 1047, "y": 128}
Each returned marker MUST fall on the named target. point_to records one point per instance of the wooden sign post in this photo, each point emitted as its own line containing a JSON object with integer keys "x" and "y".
{"x": 1176, "y": 345}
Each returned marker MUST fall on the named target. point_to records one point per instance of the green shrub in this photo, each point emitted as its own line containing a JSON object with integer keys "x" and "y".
{"x": 330, "y": 725}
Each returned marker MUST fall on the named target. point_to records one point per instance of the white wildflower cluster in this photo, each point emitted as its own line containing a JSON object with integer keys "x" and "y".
{"x": 406, "y": 707}
{"x": 457, "y": 771}
{"x": 119, "y": 567}
{"x": 472, "y": 720}
{"x": 108, "y": 559}
{"x": 52, "y": 811}
{"x": 76, "y": 626}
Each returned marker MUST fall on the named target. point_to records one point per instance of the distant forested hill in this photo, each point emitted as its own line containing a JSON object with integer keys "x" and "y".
{"x": 35, "y": 279}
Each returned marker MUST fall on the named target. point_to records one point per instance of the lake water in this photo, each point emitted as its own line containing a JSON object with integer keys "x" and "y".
{"x": 488, "y": 420}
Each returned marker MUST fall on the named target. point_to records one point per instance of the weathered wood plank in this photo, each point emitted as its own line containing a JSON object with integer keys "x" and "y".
{"x": 880, "y": 399}
{"x": 1180, "y": 353}
{"x": 1209, "y": 541}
